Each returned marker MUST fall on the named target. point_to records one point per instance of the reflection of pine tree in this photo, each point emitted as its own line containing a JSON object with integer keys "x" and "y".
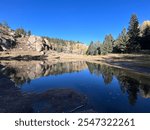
{"x": 132, "y": 91}
{"x": 131, "y": 86}
{"x": 94, "y": 68}
{"x": 128, "y": 83}
{"x": 99, "y": 69}
{"x": 107, "y": 74}
{"x": 145, "y": 90}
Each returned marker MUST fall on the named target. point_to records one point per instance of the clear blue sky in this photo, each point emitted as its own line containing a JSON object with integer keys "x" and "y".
{"x": 82, "y": 20}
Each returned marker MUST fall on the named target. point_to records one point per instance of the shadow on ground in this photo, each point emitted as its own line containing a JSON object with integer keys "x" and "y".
{"x": 24, "y": 58}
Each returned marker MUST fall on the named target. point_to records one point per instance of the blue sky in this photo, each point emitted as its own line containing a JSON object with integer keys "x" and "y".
{"x": 82, "y": 20}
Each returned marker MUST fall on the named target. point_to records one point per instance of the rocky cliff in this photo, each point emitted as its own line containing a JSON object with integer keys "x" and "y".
{"x": 9, "y": 40}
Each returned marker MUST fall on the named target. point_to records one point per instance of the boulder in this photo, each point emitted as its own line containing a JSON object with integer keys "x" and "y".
{"x": 6, "y": 43}
{"x": 32, "y": 39}
{"x": 38, "y": 43}
{"x": 39, "y": 46}
{"x": 7, "y": 40}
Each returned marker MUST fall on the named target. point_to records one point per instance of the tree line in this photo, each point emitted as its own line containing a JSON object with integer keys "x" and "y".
{"x": 60, "y": 45}
{"x": 130, "y": 40}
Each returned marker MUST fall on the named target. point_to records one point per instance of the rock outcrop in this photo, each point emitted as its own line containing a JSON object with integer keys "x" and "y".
{"x": 38, "y": 43}
{"x": 9, "y": 40}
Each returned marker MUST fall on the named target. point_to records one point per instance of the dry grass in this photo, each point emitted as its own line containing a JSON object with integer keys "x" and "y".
{"x": 142, "y": 60}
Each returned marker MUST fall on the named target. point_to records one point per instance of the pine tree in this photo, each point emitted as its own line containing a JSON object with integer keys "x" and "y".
{"x": 98, "y": 48}
{"x": 94, "y": 48}
{"x": 20, "y": 32}
{"x": 29, "y": 33}
{"x": 133, "y": 33}
{"x": 107, "y": 46}
{"x": 120, "y": 45}
{"x": 145, "y": 40}
{"x": 90, "y": 49}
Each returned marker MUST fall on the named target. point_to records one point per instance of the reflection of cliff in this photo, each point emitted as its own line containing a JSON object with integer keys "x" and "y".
{"x": 132, "y": 83}
{"x": 21, "y": 72}
{"x": 53, "y": 100}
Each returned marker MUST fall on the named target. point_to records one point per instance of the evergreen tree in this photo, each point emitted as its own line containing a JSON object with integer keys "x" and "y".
{"x": 90, "y": 50}
{"x": 145, "y": 42}
{"x": 20, "y": 32}
{"x": 94, "y": 48}
{"x": 29, "y": 33}
{"x": 98, "y": 48}
{"x": 107, "y": 46}
{"x": 133, "y": 33}
{"x": 120, "y": 45}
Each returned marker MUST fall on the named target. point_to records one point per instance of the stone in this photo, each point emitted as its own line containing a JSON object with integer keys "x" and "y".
{"x": 37, "y": 42}
{"x": 42, "y": 53}
{"x": 32, "y": 39}
{"x": 6, "y": 43}
{"x": 46, "y": 41}
{"x": 39, "y": 46}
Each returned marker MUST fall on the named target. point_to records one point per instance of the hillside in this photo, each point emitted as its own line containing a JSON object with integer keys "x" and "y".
{"x": 11, "y": 41}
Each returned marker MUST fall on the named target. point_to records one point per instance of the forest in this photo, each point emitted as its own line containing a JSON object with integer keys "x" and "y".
{"x": 132, "y": 40}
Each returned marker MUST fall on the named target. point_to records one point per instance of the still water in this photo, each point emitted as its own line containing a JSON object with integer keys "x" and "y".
{"x": 71, "y": 87}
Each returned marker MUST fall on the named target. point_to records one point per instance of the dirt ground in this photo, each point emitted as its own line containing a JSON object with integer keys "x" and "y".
{"x": 135, "y": 62}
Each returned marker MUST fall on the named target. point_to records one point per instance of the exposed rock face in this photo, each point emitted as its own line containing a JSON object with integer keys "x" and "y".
{"x": 8, "y": 40}
{"x": 38, "y": 43}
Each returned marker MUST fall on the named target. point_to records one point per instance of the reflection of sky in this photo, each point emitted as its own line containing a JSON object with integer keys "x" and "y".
{"x": 102, "y": 97}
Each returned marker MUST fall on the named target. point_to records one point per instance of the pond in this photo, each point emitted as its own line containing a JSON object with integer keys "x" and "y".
{"x": 71, "y": 87}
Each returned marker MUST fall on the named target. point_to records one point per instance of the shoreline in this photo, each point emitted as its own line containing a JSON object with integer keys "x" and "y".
{"x": 138, "y": 63}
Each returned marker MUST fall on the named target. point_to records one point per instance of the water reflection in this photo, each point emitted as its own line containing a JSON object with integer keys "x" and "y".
{"x": 55, "y": 100}
{"x": 21, "y": 72}
{"x": 98, "y": 69}
{"x": 130, "y": 83}
{"x": 71, "y": 87}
